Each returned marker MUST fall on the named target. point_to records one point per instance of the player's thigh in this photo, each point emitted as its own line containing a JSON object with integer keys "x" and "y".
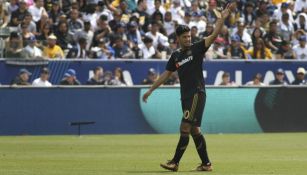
{"x": 193, "y": 109}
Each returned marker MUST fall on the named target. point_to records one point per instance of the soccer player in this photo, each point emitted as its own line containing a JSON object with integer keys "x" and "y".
{"x": 188, "y": 62}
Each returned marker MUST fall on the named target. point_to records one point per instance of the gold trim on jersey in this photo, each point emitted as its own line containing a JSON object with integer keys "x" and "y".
{"x": 194, "y": 105}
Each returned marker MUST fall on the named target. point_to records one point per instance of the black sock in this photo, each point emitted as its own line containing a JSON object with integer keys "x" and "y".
{"x": 181, "y": 147}
{"x": 201, "y": 148}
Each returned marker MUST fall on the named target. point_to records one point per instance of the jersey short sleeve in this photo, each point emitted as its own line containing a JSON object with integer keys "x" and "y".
{"x": 171, "y": 64}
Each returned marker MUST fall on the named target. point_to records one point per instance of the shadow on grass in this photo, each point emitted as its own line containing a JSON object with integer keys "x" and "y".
{"x": 161, "y": 172}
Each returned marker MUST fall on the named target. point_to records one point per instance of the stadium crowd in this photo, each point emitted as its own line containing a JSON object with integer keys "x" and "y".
{"x": 144, "y": 29}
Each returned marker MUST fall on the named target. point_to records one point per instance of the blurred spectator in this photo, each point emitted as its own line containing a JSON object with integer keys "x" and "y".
{"x": 208, "y": 31}
{"x": 262, "y": 8}
{"x": 236, "y": 50}
{"x": 18, "y": 15}
{"x": 226, "y": 36}
{"x": 121, "y": 49}
{"x": 22, "y": 78}
{"x": 4, "y": 15}
{"x": 141, "y": 14}
{"x": 187, "y": 19}
{"x": 159, "y": 40}
{"x": 241, "y": 31}
{"x": 216, "y": 51}
{"x": 249, "y": 15}
{"x": 147, "y": 49}
{"x": 176, "y": 10}
{"x": 120, "y": 30}
{"x": 55, "y": 12}
{"x": 286, "y": 28}
{"x": 37, "y": 10}
{"x": 118, "y": 79}
{"x": 257, "y": 34}
{"x": 87, "y": 33}
{"x": 14, "y": 46}
{"x": 301, "y": 22}
{"x": 70, "y": 78}
{"x": 74, "y": 23}
{"x": 42, "y": 81}
{"x": 157, "y": 16}
{"x": 79, "y": 50}
{"x": 264, "y": 22}
{"x": 65, "y": 39}
{"x": 194, "y": 35}
{"x": 157, "y": 8}
{"x": 169, "y": 24}
{"x": 284, "y": 9}
{"x": 103, "y": 30}
{"x": 300, "y": 6}
{"x": 279, "y": 78}
{"x": 31, "y": 51}
{"x": 209, "y": 14}
{"x": 300, "y": 77}
{"x": 173, "y": 43}
{"x": 31, "y": 25}
{"x": 226, "y": 80}
{"x": 259, "y": 51}
{"x": 300, "y": 49}
{"x": 103, "y": 51}
{"x": 42, "y": 38}
{"x": 234, "y": 16}
{"x": 101, "y": 8}
{"x": 196, "y": 11}
{"x": 272, "y": 38}
{"x": 25, "y": 34}
{"x": 97, "y": 79}
{"x": 45, "y": 20}
{"x": 107, "y": 78}
{"x": 285, "y": 51}
{"x": 12, "y": 6}
{"x": 296, "y": 36}
{"x": 151, "y": 77}
{"x": 116, "y": 20}
{"x": 256, "y": 81}
{"x": 134, "y": 38}
{"x": 199, "y": 21}
{"x": 53, "y": 51}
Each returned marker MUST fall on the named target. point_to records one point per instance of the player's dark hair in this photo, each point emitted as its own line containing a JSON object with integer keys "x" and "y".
{"x": 182, "y": 29}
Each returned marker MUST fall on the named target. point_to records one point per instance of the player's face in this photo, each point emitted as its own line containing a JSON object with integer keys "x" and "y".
{"x": 185, "y": 39}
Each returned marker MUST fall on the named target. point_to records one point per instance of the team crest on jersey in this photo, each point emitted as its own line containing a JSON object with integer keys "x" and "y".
{"x": 184, "y": 61}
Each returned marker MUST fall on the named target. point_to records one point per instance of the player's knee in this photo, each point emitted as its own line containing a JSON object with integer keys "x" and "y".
{"x": 185, "y": 129}
{"x": 195, "y": 131}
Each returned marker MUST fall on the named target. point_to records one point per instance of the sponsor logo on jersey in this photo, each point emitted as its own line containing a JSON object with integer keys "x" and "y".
{"x": 182, "y": 62}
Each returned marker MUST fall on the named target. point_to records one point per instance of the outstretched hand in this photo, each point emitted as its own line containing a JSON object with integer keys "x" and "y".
{"x": 226, "y": 12}
{"x": 146, "y": 95}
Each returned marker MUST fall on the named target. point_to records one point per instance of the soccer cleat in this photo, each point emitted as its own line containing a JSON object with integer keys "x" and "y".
{"x": 170, "y": 165}
{"x": 204, "y": 167}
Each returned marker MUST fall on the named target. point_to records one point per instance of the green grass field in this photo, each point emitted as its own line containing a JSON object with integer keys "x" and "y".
{"x": 236, "y": 154}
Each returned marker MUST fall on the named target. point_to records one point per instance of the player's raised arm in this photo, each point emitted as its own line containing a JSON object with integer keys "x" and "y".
{"x": 221, "y": 16}
{"x": 164, "y": 76}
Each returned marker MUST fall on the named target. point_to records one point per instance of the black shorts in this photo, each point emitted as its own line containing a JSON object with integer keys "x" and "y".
{"x": 193, "y": 109}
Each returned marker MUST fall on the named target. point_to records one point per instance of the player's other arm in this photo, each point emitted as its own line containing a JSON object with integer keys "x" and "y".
{"x": 164, "y": 76}
{"x": 221, "y": 16}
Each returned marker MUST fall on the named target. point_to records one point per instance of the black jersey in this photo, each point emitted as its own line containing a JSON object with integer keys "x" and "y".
{"x": 188, "y": 63}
